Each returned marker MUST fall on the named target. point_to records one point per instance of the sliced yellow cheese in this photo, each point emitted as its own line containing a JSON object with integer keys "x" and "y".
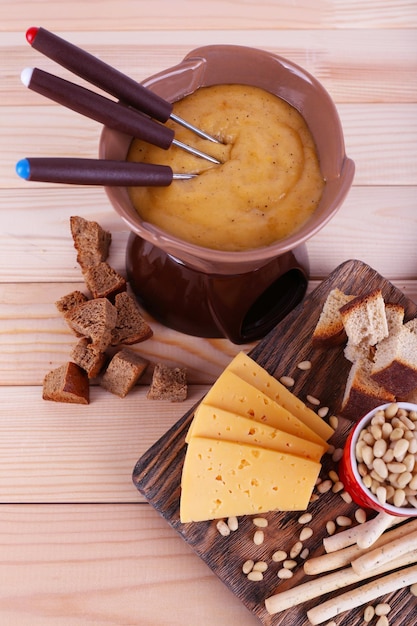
{"x": 231, "y": 393}
{"x": 223, "y": 478}
{"x": 247, "y": 369}
{"x": 220, "y": 424}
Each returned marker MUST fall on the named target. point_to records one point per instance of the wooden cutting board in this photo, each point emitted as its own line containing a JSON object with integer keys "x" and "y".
{"x": 157, "y": 474}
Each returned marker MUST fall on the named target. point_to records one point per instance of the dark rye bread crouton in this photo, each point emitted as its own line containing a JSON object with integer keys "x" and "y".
{"x": 69, "y": 301}
{"x": 395, "y": 363}
{"x": 67, "y": 383}
{"x": 123, "y": 371}
{"x": 130, "y": 325}
{"x": 103, "y": 281}
{"x": 362, "y": 393}
{"x": 94, "y": 319}
{"x": 168, "y": 383}
{"x": 91, "y": 241}
{"x": 88, "y": 357}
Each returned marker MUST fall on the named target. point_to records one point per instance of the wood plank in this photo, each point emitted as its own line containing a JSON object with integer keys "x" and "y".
{"x": 353, "y": 65}
{"x": 158, "y": 473}
{"x": 380, "y": 138}
{"x": 71, "y": 453}
{"x": 36, "y": 246}
{"x": 228, "y": 14}
{"x": 74, "y": 565}
{"x": 35, "y": 338}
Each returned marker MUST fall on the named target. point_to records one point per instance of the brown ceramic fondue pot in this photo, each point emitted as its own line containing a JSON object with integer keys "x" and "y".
{"x": 213, "y": 293}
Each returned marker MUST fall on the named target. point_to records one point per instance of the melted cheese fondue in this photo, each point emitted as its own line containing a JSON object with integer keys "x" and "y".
{"x": 267, "y": 187}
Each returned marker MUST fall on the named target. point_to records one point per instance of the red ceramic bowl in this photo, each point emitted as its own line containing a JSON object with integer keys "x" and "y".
{"x": 350, "y": 477}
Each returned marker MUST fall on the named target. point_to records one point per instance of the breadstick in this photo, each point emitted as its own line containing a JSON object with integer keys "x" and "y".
{"x": 350, "y": 536}
{"x": 331, "y": 582}
{"x": 376, "y": 527}
{"x": 335, "y": 560}
{"x": 361, "y": 595}
{"x": 375, "y": 558}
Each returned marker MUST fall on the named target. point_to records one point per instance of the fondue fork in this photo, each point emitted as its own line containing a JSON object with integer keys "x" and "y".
{"x": 103, "y": 172}
{"x": 108, "y": 112}
{"x": 106, "y": 77}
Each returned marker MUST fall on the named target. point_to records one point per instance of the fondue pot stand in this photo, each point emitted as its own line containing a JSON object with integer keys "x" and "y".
{"x": 242, "y": 307}
{"x": 214, "y": 293}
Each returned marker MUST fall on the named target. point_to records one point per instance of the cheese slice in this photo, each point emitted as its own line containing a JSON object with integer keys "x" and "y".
{"x": 224, "y": 478}
{"x": 247, "y": 369}
{"x": 220, "y": 424}
{"x": 231, "y": 393}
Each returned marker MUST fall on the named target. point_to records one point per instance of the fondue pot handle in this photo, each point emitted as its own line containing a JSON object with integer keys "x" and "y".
{"x": 247, "y": 306}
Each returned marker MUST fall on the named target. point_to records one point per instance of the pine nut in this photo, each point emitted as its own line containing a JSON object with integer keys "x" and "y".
{"x": 304, "y": 365}
{"x": 233, "y": 523}
{"x": 247, "y": 566}
{"x": 381, "y": 494}
{"x": 323, "y": 411}
{"x": 287, "y": 381}
{"x": 337, "y": 455}
{"x": 413, "y": 589}
{"x": 313, "y": 400}
{"x": 223, "y": 528}
{"x": 331, "y": 527}
{"x": 334, "y": 476}
{"x": 381, "y": 469}
{"x": 400, "y": 449}
{"x": 305, "y": 518}
{"x": 368, "y": 613}
{"x": 304, "y": 553}
{"x": 396, "y": 468}
{"x": 343, "y": 520}
{"x": 397, "y": 433}
{"x": 260, "y": 566}
{"x": 382, "y": 609}
{"x": 346, "y": 497}
{"x": 325, "y": 486}
{"x": 289, "y": 564}
{"x": 382, "y": 621}
{"x": 260, "y": 522}
{"x": 279, "y": 555}
{"x": 334, "y": 422}
{"x": 360, "y": 516}
{"x": 368, "y": 455}
{"x": 403, "y": 479}
{"x": 285, "y": 573}
{"x": 296, "y": 549}
{"x": 379, "y": 449}
{"x": 338, "y": 486}
{"x": 306, "y": 533}
{"x": 258, "y": 537}
{"x": 399, "y": 497}
{"x": 255, "y": 576}
{"x": 391, "y": 410}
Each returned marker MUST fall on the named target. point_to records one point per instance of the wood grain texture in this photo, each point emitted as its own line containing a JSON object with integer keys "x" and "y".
{"x": 383, "y": 155}
{"x": 213, "y": 15}
{"x": 57, "y": 453}
{"x": 379, "y": 226}
{"x": 354, "y": 65}
{"x": 101, "y": 565}
{"x": 157, "y": 474}
{"x": 78, "y": 545}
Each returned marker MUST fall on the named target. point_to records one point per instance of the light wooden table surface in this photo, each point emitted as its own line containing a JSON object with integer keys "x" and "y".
{"x": 78, "y": 545}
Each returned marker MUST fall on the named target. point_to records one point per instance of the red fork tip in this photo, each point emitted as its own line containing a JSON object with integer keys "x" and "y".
{"x": 31, "y": 34}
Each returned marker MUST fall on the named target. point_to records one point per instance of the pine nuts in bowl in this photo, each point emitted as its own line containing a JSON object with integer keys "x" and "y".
{"x": 379, "y": 463}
